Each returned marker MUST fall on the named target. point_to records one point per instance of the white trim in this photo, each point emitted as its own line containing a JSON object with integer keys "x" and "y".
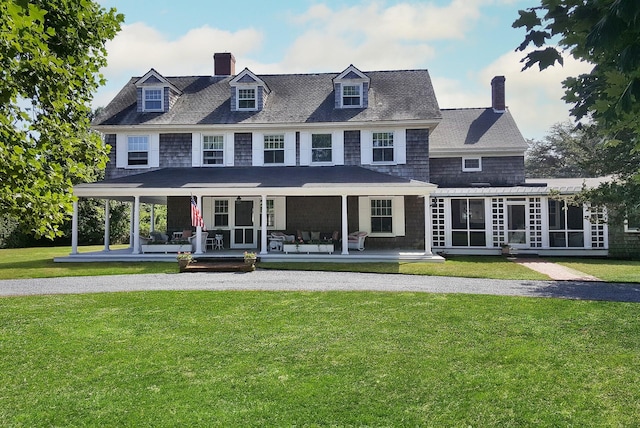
{"x": 360, "y": 87}
{"x": 465, "y": 168}
{"x": 153, "y": 150}
{"x": 145, "y": 89}
{"x": 397, "y": 216}
{"x": 495, "y": 152}
{"x": 226, "y": 151}
{"x": 257, "y": 149}
{"x": 240, "y": 87}
{"x": 290, "y": 148}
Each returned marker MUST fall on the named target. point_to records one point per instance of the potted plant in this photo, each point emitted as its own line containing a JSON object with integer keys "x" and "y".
{"x": 184, "y": 259}
{"x": 250, "y": 259}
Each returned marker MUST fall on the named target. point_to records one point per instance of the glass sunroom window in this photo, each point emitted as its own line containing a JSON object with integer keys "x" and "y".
{"x": 566, "y": 224}
{"x": 468, "y": 223}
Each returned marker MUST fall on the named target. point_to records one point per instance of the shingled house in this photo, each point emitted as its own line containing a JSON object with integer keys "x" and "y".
{"x": 332, "y": 152}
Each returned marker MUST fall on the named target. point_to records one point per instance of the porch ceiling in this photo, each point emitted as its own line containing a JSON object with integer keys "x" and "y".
{"x": 252, "y": 181}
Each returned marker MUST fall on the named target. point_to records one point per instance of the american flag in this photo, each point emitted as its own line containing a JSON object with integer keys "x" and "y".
{"x": 196, "y": 217}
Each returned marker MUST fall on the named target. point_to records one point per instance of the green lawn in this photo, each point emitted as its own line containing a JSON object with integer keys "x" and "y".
{"x": 38, "y": 263}
{"x": 317, "y": 359}
{"x": 605, "y": 269}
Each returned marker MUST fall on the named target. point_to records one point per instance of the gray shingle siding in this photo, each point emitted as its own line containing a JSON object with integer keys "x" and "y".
{"x": 352, "y": 148}
{"x": 175, "y": 150}
{"x": 497, "y": 171}
{"x": 417, "y": 166}
{"x": 242, "y": 154}
{"x": 365, "y": 95}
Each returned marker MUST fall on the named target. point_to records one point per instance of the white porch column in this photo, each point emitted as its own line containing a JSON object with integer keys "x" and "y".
{"x": 263, "y": 229}
{"x": 136, "y": 225}
{"x": 74, "y": 228}
{"x": 107, "y": 225}
{"x": 199, "y": 228}
{"x": 152, "y": 218}
{"x": 345, "y": 226}
{"x": 131, "y": 224}
{"x": 428, "y": 224}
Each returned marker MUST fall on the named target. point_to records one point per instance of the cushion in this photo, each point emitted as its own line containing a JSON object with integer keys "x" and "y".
{"x": 336, "y": 235}
{"x": 306, "y": 235}
{"x": 315, "y": 236}
{"x": 186, "y": 233}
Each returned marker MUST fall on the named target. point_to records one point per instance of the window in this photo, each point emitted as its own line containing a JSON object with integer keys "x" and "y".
{"x": 566, "y": 224}
{"x": 274, "y": 149}
{"x": 153, "y": 99}
{"x": 246, "y": 99}
{"x": 221, "y": 213}
{"x": 381, "y": 216}
{"x": 468, "y": 223}
{"x": 471, "y": 164}
{"x": 213, "y": 150}
{"x": 632, "y": 221}
{"x": 351, "y": 95}
{"x": 383, "y": 146}
{"x": 321, "y": 148}
{"x": 137, "y": 150}
{"x": 271, "y": 213}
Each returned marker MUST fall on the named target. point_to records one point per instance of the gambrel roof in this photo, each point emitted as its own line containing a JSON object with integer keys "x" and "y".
{"x": 406, "y": 95}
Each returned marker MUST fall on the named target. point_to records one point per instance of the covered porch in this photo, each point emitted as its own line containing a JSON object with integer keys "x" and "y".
{"x": 236, "y": 202}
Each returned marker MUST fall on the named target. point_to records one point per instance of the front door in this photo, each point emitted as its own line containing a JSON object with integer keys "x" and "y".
{"x": 243, "y": 235}
{"x": 517, "y": 224}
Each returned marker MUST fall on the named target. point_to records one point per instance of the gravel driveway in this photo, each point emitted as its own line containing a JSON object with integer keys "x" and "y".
{"x": 274, "y": 280}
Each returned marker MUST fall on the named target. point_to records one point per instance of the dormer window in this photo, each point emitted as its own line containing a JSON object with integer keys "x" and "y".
{"x": 352, "y": 95}
{"x": 247, "y": 99}
{"x": 155, "y": 93}
{"x": 351, "y": 89}
{"x": 153, "y": 99}
{"x": 248, "y": 92}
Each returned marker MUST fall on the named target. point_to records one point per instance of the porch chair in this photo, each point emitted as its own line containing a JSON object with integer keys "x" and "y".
{"x": 355, "y": 240}
{"x": 203, "y": 241}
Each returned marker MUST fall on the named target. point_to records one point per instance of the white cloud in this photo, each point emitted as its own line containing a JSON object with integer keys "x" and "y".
{"x": 138, "y": 47}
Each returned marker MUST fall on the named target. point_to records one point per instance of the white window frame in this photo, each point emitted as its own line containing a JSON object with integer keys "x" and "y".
{"x": 631, "y": 229}
{"x": 330, "y": 148}
{"x": 147, "y": 150}
{"x": 239, "y": 89}
{"x": 360, "y": 96}
{"x": 271, "y": 149}
{"x": 222, "y": 149}
{"x": 221, "y": 208}
{"x": 397, "y": 216}
{"x": 149, "y": 89}
{"x": 374, "y": 148}
{"x": 465, "y": 168}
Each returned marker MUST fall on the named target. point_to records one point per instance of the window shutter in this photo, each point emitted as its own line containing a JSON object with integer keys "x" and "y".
{"x": 257, "y": 148}
{"x": 366, "y": 147}
{"x": 121, "y": 151}
{"x": 229, "y": 149}
{"x": 364, "y": 214}
{"x": 400, "y": 146}
{"x": 154, "y": 150}
{"x": 196, "y": 149}
{"x": 397, "y": 207}
{"x": 337, "y": 143}
{"x": 305, "y": 148}
{"x": 290, "y": 148}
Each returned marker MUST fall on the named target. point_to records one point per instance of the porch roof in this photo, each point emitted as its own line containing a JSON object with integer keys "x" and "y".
{"x": 254, "y": 181}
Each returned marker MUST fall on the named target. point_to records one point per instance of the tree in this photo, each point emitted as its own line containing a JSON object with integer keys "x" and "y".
{"x": 51, "y": 52}
{"x": 567, "y": 151}
{"x": 605, "y": 33}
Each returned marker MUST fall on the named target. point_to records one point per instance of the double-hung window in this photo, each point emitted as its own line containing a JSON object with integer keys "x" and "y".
{"x": 213, "y": 150}
{"x": 138, "y": 150}
{"x": 381, "y": 216}
{"x": 352, "y": 95}
{"x": 246, "y": 99}
{"x": 383, "y": 146}
{"x": 152, "y": 99}
{"x": 321, "y": 150}
{"x": 274, "y": 149}
{"x": 221, "y": 213}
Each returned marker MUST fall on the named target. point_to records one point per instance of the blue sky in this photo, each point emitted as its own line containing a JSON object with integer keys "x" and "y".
{"x": 463, "y": 44}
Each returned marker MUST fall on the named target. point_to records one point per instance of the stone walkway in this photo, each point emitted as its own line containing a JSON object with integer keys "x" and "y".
{"x": 555, "y": 271}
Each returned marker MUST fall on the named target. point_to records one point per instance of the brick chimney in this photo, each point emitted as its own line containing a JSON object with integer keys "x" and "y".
{"x": 224, "y": 64}
{"x": 497, "y": 94}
